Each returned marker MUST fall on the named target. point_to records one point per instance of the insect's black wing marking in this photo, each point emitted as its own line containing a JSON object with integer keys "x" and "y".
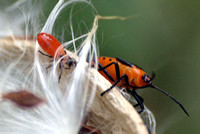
{"x": 124, "y": 62}
{"x": 127, "y": 63}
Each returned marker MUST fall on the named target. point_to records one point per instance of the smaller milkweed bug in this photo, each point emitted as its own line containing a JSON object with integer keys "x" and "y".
{"x": 55, "y": 50}
{"x": 124, "y": 74}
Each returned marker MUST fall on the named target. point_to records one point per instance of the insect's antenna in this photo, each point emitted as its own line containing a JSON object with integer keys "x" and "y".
{"x": 153, "y": 76}
{"x": 170, "y": 97}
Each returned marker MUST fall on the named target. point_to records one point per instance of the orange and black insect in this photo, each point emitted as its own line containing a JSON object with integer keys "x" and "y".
{"x": 124, "y": 74}
{"x": 55, "y": 50}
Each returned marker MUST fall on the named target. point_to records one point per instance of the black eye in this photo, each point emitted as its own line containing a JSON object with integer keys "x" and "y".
{"x": 144, "y": 77}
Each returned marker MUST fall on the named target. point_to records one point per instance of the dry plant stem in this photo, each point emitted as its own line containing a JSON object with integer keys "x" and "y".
{"x": 111, "y": 114}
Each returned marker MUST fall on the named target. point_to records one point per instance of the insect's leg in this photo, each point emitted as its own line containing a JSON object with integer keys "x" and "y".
{"x": 45, "y": 54}
{"x": 129, "y": 91}
{"x": 116, "y": 67}
{"x": 135, "y": 94}
{"x": 139, "y": 100}
{"x": 101, "y": 68}
{"x": 48, "y": 67}
{"x": 105, "y": 72}
{"x": 60, "y": 67}
{"x": 123, "y": 76}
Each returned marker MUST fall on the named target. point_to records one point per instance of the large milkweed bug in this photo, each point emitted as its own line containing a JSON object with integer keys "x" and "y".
{"x": 55, "y": 50}
{"x": 124, "y": 74}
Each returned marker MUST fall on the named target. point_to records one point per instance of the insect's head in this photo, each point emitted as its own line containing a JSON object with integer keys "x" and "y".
{"x": 71, "y": 62}
{"x": 148, "y": 79}
{"x": 68, "y": 62}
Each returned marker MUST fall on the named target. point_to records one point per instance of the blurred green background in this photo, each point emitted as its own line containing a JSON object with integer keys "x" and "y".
{"x": 162, "y": 36}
